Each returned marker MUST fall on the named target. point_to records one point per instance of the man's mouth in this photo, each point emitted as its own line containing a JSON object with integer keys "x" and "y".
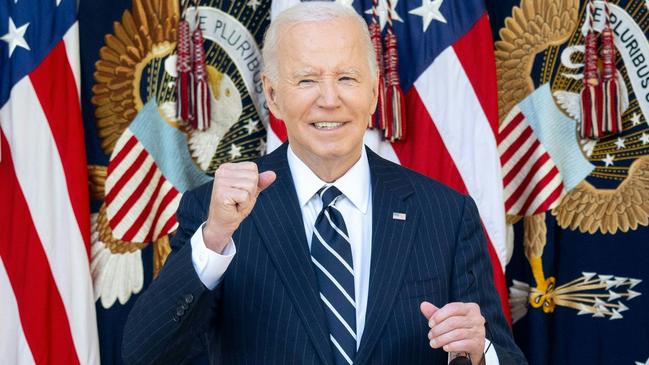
{"x": 327, "y": 125}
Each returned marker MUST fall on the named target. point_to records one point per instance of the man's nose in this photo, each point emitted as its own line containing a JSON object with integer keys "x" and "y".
{"x": 329, "y": 94}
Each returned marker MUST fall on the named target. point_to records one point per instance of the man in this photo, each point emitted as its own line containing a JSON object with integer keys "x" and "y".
{"x": 331, "y": 255}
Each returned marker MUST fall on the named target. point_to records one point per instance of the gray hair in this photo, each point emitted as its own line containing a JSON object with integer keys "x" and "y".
{"x": 312, "y": 11}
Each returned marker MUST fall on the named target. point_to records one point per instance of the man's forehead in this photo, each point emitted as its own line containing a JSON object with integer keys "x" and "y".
{"x": 338, "y": 32}
{"x": 313, "y": 48}
{"x": 289, "y": 27}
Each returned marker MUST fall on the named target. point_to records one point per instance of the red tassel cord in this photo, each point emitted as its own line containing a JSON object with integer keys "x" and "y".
{"x": 202, "y": 94}
{"x": 612, "y": 121}
{"x": 395, "y": 100}
{"x": 379, "y": 119}
{"x": 590, "y": 115}
{"x": 184, "y": 85}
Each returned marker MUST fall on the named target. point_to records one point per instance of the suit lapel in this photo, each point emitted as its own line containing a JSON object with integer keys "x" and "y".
{"x": 391, "y": 242}
{"x": 278, "y": 217}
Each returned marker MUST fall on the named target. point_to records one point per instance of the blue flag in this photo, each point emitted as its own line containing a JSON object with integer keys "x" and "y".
{"x": 578, "y": 274}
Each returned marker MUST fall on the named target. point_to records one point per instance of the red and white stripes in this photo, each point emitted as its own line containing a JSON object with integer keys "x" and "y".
{"x": 45, "y": 232}
{"x": 140, "y": 202}
{"x": 531, "y": 179}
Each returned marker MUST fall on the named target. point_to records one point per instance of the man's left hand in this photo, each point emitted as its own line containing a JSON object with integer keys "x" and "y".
{"x": 456, "y": 327}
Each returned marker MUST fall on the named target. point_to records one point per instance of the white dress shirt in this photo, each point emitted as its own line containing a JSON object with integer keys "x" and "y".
{"x": 355, "y": 205}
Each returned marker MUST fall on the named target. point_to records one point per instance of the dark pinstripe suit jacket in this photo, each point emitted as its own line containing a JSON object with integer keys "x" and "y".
{"x": 267, "y": 309}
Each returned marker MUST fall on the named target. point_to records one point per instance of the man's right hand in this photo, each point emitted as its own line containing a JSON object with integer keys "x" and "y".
{"x": 235, "y": 191}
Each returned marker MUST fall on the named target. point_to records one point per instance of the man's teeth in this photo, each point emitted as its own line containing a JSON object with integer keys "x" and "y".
{"x": 327, "y": 125}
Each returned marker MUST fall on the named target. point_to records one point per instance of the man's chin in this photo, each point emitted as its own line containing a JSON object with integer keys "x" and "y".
{"x": 332, "y": 154}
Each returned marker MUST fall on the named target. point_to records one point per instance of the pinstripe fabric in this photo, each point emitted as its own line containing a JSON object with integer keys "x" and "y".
{"x": 267, "y": 309}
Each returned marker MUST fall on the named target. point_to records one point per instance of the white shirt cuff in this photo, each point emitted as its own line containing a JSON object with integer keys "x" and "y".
{"x": 210, "y": 265}
{"x": 490, "y": 357}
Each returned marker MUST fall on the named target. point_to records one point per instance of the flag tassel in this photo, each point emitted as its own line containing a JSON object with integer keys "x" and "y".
{"x": 590, "y": 116}
{"x": 396, "y": 114}
{"x": 202, "y": 90}
{"x": 183, "y": 66}
{"x": 600, "y": 97}
{"x": 612, "y": 105}
{"x": 589, "y": 112}
{"x": 612, "y": 118}
{"x": 379, "y": 118}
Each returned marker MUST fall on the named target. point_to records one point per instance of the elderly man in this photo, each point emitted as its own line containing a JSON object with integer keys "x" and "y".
{"x": 331, "y": 255}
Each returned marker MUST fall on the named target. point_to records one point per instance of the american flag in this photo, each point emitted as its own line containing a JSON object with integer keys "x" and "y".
{"x": 532, "y": 181}
{"x": 47, "y": 313}
{"x": 448, "y": 72}
{"x": 146, "y": 178}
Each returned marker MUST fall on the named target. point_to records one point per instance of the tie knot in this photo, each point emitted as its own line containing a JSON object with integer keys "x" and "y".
{"x": 328, "y": 194}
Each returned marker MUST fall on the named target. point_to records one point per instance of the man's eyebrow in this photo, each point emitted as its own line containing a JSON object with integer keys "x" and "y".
{"x": 310, "y": 72}
{"x": 304, "y": 73}
{"x": 350, "y": 70}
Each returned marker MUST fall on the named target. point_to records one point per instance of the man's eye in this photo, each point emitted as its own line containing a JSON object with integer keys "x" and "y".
{"x": 305, "y": 82}
{"x": 347, "y": 79}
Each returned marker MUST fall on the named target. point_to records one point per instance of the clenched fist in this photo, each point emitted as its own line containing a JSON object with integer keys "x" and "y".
{"x": 235, "y": 191}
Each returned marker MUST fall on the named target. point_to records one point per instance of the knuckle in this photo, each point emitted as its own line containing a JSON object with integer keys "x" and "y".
{"x": 220, "y": 196}
{"x": 220, "y": 172}
{"x": 461, "y": 334}
{"x": 254, "y": 180}
{"x": 455, "y": 322}
{"x": 249, "y": 176}
{"x": 249, "y": 165}
{"x": 220, "y": 184}
{"x": 453, "y": 336}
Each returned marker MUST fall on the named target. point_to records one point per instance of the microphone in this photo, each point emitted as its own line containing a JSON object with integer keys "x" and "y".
{"x": 460, "y": 358}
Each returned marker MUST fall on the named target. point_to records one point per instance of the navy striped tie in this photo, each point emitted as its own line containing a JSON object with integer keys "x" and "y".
{"x": 332, "y": 256}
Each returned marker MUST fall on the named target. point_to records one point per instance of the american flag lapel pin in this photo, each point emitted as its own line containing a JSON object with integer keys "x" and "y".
{"x": 399, "y": 216}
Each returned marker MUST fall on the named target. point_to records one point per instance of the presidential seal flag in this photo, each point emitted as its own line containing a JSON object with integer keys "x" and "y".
{"x": 446, "y": 69}
{"x": 578, "y": 274}
{"x": 46, "y": 306}
{"x": 161, "y": 115}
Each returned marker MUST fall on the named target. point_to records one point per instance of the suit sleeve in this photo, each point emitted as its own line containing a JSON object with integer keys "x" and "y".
{"x": 171, "y": 320}
{"x": 473, "y": 282}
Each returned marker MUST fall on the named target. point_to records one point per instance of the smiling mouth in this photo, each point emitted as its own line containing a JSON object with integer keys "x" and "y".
{"x": 327, "y": 125}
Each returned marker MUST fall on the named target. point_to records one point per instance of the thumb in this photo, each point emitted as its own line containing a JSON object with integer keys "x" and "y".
{"x": 427, "y": 309}
{"x": 265, "y": 179}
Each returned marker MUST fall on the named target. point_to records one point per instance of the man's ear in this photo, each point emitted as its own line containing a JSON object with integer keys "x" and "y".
{"x": 375, "y": 93}
{"x": 271, "y": 96}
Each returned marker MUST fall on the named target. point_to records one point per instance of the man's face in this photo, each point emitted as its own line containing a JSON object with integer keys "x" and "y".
{"x": 324, "y": 91}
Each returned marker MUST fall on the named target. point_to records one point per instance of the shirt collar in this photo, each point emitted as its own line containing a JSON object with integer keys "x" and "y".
{"x": 354, "y": 184}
